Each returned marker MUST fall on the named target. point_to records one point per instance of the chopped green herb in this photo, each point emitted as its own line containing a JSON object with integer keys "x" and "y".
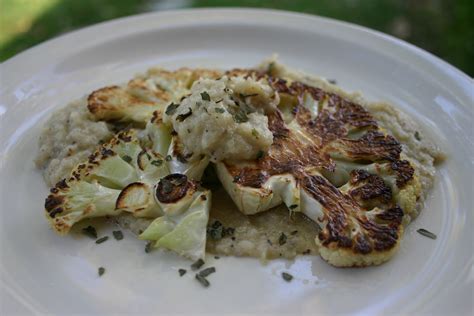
{"x": 205, "y": 96}
{"x": 171, "y": 109}
{"x": 90, "y": 231}
{"x": 197, "y": 265}
{"x": 282, "y": 239}
{"x": 168, "y": 158}
{"x": 182, "y": 117}
{"x": 292, "y": 207}
{"x": 269, "y": 242}
{"x": 215, "y": 231}
{"x": 332, "y": 81}
{"x": 118, "y": 235}
{"x": 260, "y": 154}
{"x": 248, "y": 95}
{"x": 198, "y": 104}
{"x": 255, "y": 133}
{"x": 294, "y": 232}
{"x": 219, "y": 101}
{"x": 417, "y": 136}
{"x": 127, "y": 158}
{"x": 216, "y": 257}
{"x": 207, "y": 271}
{"x": 189, "y": 131}
{"x": 426, "y": 233}
{"x": 101, "y": 271}
{"x": 286, "y": 276}
{"x": 102, "y": 239}
{"x": 204, "y": 282}
{"x": 307, "y": 251}
{"x": 240, "y": 116}
{"x": 271, "y": 67}
{"x": 219, "y": 110}
{"x": 229, "y": 231}
{"x": 182, "y": 272}
{"x": 157, "y": 162}
{"x": 148, "y": 247}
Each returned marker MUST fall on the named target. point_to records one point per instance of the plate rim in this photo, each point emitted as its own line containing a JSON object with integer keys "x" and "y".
{"x": 445, "y": 67}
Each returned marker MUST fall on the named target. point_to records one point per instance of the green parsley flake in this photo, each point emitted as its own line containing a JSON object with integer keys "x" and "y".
{"x": 171, "y": 109}
{"x": 127, "y": 158}
{"x": 102, "y": 239}
{"x": 157, "y": 162}
{"x": 118, "y": 235}
{"x": 205, "y": 96}
{"x": 101, "y": 271}
{"x": 286, "y": 276}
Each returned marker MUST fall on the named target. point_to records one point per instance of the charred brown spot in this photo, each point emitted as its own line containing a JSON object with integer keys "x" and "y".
{"x": 344, "y": 213}
{"x": 404, "y": 171}
{"x": 52, "y": 204}
{"x": 173, "y": 187}
{"x": 105, "y": 152}
{"x": 394, "y": 215}
{"x": 125, "y": 137}
{"x": 287, "y": 155}
{"x": 369, "y": 186}
{"x": 372, "y": 146}
{"x": 96, "y": 99}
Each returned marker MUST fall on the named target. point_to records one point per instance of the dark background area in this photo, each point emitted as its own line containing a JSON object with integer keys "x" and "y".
{"x": 442, "y": 27}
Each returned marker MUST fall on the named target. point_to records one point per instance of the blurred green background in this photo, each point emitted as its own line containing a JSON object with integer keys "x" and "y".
{"x": 442, "y": 27}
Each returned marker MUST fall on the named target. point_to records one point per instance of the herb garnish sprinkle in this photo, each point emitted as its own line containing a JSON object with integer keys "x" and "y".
{"x": 148, "y": 247}
{"x": 101, "y": 271}
{"x": 171, "y": 109}
{"x": 207, "y": 271}
{"x": 204, "y": 282}
{"x": 197, "y": 265}
{"x": 157, "y": 162}
{"x": 118, "y": 235}
{"x": 205, "y": 96}
{"x": 286, "y": 276}
{"x": 127, "y": 158}
{"x": 426, "y": 233}
{"x": 282, "y": 239}
{"x": 102, "y": 239}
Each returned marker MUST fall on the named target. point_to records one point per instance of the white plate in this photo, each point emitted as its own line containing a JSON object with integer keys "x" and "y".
{"x": 44, "y": 273}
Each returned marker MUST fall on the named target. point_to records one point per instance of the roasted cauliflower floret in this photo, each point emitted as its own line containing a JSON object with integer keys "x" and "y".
{"x": 71, "y": 201}
{"x": 136, "y": 101}
{"x": 186, "y": 212}
{"x": 123, "y": 176}
{"x": 330, "y": 161}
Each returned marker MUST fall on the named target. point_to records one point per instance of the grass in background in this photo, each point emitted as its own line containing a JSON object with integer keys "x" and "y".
{"x": 442, "y": 27}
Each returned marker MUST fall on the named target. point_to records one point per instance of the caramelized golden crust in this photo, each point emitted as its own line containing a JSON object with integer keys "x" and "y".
{"x": 348, "y": 225}
{"x": 288, "y": 154}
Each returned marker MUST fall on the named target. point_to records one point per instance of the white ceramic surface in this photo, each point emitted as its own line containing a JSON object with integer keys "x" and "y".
{"x": 44, "y": 273}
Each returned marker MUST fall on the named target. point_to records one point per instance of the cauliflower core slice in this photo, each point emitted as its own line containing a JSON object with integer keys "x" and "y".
{"x": 330, "y": 161}
{"x": 224, "y": 119}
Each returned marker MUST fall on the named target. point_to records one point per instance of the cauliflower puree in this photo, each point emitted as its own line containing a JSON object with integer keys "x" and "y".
{"x": 224, "y": 119}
